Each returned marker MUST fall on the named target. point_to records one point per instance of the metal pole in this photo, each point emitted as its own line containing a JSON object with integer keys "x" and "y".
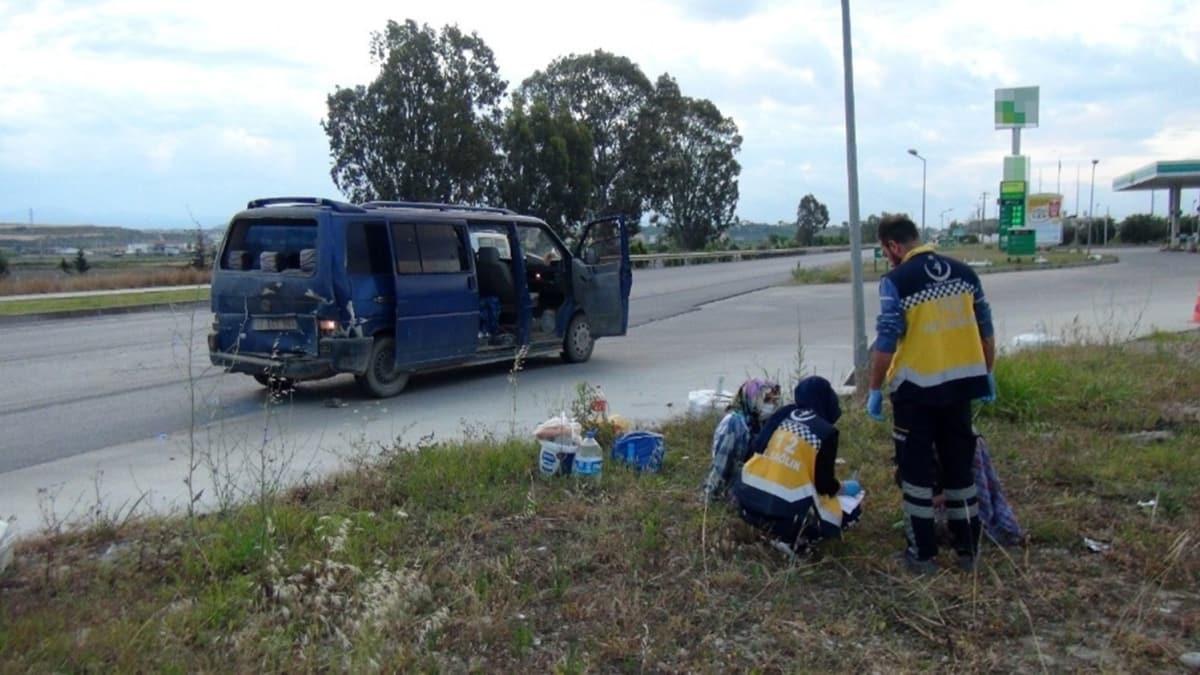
{"x": 1077, "y": 190}
{"x": 1107, "y": 211}
{"x": 1091, "y": 202}
{"x": 856, "y": 271}
{"x": 924, "y": 229}
{"x": 1016, "y": 135}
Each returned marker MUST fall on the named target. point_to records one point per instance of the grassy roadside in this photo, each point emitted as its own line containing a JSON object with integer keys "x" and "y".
{"x": 459, "y": 557}
{"x": 101, "y": 302}
{"x": 997, "y": 261}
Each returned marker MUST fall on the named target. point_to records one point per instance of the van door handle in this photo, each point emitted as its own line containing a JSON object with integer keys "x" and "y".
{"x": 471, "y": 283}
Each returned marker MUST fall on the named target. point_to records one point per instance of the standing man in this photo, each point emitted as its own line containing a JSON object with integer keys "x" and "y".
{"x": 934, "y": 350}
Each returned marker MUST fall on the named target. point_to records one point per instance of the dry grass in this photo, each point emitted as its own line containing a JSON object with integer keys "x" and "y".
{"x": 456, "y": 558}
{"x": 145, "y": 278}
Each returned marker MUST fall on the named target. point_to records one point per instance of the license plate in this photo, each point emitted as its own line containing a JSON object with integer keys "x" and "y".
{"x": 275, "y": 324}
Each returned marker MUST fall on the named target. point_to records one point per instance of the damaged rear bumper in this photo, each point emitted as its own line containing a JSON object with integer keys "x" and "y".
{"x": 335, "y": 355}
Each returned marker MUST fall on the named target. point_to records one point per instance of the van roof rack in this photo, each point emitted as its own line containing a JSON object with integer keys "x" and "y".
{"x": 341, "y": 207}
{"x": 434, "y": 206}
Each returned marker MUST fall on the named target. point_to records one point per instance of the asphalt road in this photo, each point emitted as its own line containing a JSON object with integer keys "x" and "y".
{"x": 106, "y": 401}
{"x": 79, "y": 385}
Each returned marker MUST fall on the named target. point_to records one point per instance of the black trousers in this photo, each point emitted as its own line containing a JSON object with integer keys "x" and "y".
{"x": 935, "y": 444}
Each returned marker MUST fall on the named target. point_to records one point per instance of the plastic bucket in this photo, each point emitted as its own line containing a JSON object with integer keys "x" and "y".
{"x": 556, "y": 459}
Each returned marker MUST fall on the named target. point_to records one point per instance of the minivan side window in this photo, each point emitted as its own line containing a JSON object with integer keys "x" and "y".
{"x": 408, "y": 256}
{"x": 428, "y": 249}
{"x": 441, "y": 250}
{"x": 605, "y": 239}
{"x": 367, "y": 249}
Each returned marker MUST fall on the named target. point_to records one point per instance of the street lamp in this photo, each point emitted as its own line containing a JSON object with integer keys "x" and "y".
{"x": 1091, "y": 204}
{"x": 914, "y": 153}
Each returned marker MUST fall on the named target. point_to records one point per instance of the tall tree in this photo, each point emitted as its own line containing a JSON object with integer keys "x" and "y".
{"x": 81, "y": 262}
{"x": 609, "y": 94}
{"x": 695, "y": 175}
{"x": 811, "y": 217}
{"x": 199, "y": 250}
{"x": 546, "y": 170}
{"x": 424, "y": 129}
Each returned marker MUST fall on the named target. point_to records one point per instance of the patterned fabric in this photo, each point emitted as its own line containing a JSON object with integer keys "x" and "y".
{"x": 956, "y": 287}
{"x": 994, "y": 511}
{"x": 731, "y": 444}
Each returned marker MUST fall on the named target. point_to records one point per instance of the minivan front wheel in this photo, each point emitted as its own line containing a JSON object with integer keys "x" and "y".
{"x": 382, "y": 380}
{"x": 578, "y": 343}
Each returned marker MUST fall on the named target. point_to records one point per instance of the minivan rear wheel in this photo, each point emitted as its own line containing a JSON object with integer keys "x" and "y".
{"x": 382, "y": 379}
{"x": 578, "y": 343}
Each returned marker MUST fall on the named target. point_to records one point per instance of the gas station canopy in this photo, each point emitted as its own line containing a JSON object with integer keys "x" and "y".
{"x": 1161, "y": 176}
{"x": 1170, "y": 176}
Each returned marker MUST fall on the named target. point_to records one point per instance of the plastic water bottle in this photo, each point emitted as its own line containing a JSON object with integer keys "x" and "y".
{"x": 589, "y": 459}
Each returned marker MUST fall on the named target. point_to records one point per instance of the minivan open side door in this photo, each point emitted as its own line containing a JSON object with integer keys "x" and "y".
{"x": 602, "y": 276}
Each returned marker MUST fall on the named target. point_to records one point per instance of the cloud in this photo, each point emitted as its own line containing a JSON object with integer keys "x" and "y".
{"x": 217, "y": 102}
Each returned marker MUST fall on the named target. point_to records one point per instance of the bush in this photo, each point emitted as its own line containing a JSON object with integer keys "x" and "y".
{"x": 1144, "y": 229}
{"x": 637, "y": 247}
{"x": 3, "y": 263}
{"x": 971, "y": 239}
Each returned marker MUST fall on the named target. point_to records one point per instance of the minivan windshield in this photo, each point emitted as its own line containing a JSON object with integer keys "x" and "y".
{"x": 271, "y": 245}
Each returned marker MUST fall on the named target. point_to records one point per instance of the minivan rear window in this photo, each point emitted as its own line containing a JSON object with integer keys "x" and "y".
{"x": 275, "y": 245}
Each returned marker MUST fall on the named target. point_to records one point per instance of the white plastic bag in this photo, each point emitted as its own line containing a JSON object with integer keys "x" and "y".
{"x": 560, "y": 429}
{"x": 706, "y": 401}
{"x": 7, "y": 541}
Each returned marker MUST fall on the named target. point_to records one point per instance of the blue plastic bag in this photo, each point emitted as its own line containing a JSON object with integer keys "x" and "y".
{"x": 643, "y": 450}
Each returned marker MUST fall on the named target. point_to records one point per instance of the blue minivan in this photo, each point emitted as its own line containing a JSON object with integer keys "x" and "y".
{"x": 306, "y": 288}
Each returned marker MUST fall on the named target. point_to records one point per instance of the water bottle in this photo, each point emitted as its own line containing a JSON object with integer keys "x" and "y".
{"x": 599, "y": 403}
{"x": 589, "y": 459}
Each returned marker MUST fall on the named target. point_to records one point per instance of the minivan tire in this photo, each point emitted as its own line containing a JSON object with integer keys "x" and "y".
{"x": 578, "y": 343}
{"x": 381, "y": 379}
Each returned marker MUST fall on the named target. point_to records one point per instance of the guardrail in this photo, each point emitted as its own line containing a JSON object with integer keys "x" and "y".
{"x": 652, "y": 260}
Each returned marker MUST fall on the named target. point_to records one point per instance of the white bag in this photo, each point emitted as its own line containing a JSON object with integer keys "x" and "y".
{"x": 7, "y": 541}
{"x": 706, "y": 401}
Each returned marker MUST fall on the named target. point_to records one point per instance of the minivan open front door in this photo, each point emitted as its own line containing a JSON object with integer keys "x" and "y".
{"x": 602, "y": 276}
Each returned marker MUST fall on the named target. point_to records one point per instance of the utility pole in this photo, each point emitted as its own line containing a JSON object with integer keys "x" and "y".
{"x": 1077, "y": 190}
{"x": 1107, "y": 212}
{"x": 856, "y": 271}
{"x": 983, "y": 212}
{"x": 1091, "y": 203}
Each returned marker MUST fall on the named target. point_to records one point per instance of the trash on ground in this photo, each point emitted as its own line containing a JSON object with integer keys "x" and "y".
{"x": 620, "y": 424}
{"x": 1147, "y": 437}
{"x": 1040, "y": 260}
{"x": 1097, "y": 546}
{"x": 979, "y": 263}
{"x": 7, "y": 541}
{"x": 1190, "y": 660}
{"x": 335, "y": 403}
{"x": 1030, "y": 340}
{"x": 1149, "y": 504}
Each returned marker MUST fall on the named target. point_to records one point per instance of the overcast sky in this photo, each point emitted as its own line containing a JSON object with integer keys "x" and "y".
{"x": 135, "y": 112}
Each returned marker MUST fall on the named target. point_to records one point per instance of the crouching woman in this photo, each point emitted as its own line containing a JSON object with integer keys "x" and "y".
{"x": 788, "y": 487}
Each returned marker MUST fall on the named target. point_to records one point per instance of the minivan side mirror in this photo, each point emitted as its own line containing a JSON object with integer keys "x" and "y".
{"x": 590, "y": 257}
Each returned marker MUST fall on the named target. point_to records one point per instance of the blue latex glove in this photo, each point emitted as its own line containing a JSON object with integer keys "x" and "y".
{"x": 991, "y": 396}
{"x": 875, "y": 405}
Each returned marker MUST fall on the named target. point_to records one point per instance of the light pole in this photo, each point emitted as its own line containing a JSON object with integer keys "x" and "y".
{"x": 856, "y": 271}
{"x": 914, "y": 153}
{"x": 1091, "y": 203}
